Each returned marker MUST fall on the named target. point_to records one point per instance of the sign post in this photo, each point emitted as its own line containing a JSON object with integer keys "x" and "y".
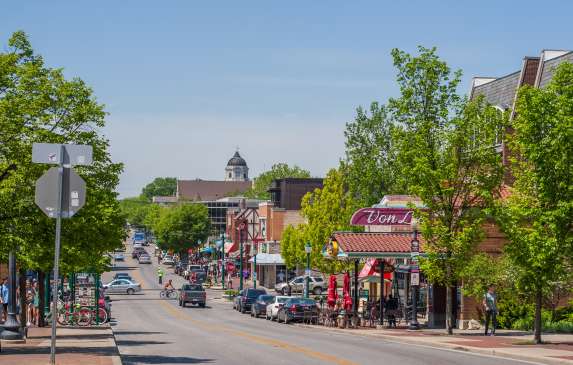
{"x": 60, "y": 193}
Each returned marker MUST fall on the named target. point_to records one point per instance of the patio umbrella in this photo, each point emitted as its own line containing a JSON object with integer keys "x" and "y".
{"x": 331, "y": 293}
{"x": 346, "y": 292}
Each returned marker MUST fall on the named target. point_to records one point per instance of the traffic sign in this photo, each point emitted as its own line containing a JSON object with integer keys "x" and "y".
{"x": 74, "y": 154}
{"x": 74, "y": 192}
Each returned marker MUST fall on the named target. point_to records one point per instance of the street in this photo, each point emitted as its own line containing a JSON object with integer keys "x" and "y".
{"x": 153, "y": 331}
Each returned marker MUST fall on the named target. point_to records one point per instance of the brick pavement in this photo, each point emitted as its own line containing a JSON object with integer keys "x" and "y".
{"x": 86, "y": 346}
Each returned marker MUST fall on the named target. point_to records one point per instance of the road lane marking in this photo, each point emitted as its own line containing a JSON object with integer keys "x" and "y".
{"x": 259, "y": 339}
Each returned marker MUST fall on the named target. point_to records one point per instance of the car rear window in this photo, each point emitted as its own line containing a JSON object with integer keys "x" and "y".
{"x": 266, "y": 298}
{"x": 192, "y": 287}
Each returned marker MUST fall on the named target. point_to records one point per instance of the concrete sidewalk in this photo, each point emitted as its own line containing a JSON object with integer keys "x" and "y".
{"x": 557, "y": 349}
{"x": 85, "y": 346}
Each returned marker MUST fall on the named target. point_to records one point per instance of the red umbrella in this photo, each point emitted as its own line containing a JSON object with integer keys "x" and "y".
{"x": 346, "y": 292}
{"x": 332, "y": 294}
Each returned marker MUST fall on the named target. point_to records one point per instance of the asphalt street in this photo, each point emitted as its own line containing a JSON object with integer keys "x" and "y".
{"x": 149, "y": 330}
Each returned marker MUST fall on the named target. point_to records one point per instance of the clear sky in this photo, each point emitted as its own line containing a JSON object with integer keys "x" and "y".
{"x": 185, "y": 82}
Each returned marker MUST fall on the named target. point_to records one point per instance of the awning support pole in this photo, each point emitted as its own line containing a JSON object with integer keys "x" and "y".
{"x": 356, "y": 289}
{"x": 381, "y": 292}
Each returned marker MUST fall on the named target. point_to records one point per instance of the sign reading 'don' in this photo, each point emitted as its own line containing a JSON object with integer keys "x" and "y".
{"x": 382, "y": 217}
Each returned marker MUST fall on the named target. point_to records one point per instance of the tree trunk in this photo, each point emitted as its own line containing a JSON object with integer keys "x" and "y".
{"x": 42, "y": 302}
{"x": 23, "y": 304}
{"x": 537, "y": 323}
{"x": 449, "y": 310}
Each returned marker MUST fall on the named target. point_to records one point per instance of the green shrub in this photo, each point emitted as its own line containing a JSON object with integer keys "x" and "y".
{"x": 231, "y": 292}
{"x": 563, "y": 326}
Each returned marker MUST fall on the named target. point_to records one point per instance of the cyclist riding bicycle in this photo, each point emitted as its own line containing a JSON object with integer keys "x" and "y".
{"x": 169, "y": 286}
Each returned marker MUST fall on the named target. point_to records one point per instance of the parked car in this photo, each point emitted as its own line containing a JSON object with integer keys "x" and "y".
{"x": 122, "y": 286}
{"x": 122, "y": 275}
{"x": 259, "y": 306}
{"x": 298, "y": 309}
{"x": 180, "y": 267}
{"x": 144, "y": 258}
{"x": 118, "y": 256}
{"x": 192, "y": 293}
{"x": 316, "y": 283}
{"x": 248, "y": 297}
{"x": 274, "y": 306}
{"x": 137, "y": 251}
{"x": 168, "y": 260}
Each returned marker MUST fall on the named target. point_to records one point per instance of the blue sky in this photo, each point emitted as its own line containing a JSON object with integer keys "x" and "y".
{"x": 185, "y": 82}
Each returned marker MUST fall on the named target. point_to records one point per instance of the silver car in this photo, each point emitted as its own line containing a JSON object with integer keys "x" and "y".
{"x": 144, "y": 259}
{"x": 316, "y": 285}
{"x": 122, "y": 286}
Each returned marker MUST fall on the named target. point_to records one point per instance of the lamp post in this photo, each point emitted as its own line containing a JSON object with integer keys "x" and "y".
{"x": 11, "y": 326}
{"x": 414, "y": 274}
{"x": 254, "y": 251}
{"x": 241, "y": 228}
{"x": 223, "y": 260}
{"x": 308, "y": 250}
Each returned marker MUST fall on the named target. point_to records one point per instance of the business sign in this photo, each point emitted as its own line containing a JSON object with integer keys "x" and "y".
{"x": 382, "y": 217}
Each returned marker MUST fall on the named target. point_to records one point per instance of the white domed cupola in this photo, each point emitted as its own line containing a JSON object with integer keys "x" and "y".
{"x": 237, "y": 169}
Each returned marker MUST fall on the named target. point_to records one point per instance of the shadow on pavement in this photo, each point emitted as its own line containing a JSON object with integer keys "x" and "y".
{"x": 77, "y": 337}
{"x": 138, "y": 333}
{"x": 159, "y": 359}
{"x": 139, "y": 342}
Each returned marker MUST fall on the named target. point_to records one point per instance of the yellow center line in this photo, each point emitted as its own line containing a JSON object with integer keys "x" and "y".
{"x": 262, "y": 340}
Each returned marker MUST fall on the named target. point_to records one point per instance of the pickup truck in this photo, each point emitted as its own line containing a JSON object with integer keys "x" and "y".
{"x": 192, "y": 293}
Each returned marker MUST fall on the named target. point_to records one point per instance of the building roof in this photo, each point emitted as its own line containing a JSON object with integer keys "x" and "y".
{"x": 373, "y": 244}
{"x": 237, "y": 160}
{"x": 204, "y": 190}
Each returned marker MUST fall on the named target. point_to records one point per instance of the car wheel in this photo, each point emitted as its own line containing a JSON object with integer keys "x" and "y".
{"x": 130, "y": 291}
{"x": 202, "y": 305}
{"x": 317, "y": 290}
{"x": 243, "y": 310}
{"x": 286, "y": 319}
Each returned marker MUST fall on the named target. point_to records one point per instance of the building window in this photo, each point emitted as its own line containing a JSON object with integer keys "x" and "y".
{"x": 230, "y": 175}
{"x": 244, "y": 176}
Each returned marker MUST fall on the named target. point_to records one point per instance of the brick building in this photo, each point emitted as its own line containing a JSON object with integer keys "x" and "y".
{"x": 501, "y": 92}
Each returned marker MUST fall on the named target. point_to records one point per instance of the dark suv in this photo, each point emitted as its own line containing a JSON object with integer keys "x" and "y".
{"x": 248, "y": 297}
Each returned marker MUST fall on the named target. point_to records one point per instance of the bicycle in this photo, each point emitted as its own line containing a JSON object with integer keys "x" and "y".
{"x": 100, "y": 314}
{"x": 168, "y": 293}
{"x": 74, "y": 315}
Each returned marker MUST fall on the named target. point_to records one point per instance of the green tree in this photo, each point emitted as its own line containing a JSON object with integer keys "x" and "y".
{"x": 37, "y": 104}
{"x": 536, "y": 218}
{"x": 161, "y": 186}
{"x": 181, "y": 227}
{"x": 370, "y": 156}
{"x": 277, "y": 171}
{"x": 326, "y": 211}
{"x": 135, "y": 210}
{"x": 445, "y": 148}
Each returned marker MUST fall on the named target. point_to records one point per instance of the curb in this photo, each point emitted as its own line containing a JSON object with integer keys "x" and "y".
{"x": 115, "y": 359}
{"x": 454, "y": 347}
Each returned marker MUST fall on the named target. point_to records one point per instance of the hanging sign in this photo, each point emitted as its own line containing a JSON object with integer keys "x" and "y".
{"x": 382, "y": 217}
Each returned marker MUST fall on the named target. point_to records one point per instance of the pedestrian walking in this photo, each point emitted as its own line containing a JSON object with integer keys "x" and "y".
{"x": 490, "y": 306}
{"x": 4, "y": 296}
{"x": 160, "y": 275}
{"x": 230, "y": 281}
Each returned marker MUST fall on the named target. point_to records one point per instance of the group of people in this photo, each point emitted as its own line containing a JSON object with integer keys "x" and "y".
{"x": 32, "y": 301}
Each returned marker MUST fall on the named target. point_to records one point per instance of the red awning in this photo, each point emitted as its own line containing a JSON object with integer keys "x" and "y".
{"x": 230, "y": 247}
{"x": 371, "y": 269}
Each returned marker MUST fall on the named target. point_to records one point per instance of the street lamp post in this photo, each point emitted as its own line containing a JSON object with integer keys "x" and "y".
{"x": 414, "y": 275}
{"x": 308, "y": 250}
{"x": 223, "y": 260}
{"x": 254, "y": 265}
{"x": 241, "y": 228}
{"x": 11, "y": 326}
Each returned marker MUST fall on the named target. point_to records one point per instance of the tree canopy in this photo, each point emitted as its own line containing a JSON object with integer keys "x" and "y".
{"x": 325, "y": 210}
{"x": 38, "y": 104}
{"x": 447, "y": 156}
{"x": 161, "y": 186}
{"x": 182, "y": 227}
{"x": 536, "y": 218}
